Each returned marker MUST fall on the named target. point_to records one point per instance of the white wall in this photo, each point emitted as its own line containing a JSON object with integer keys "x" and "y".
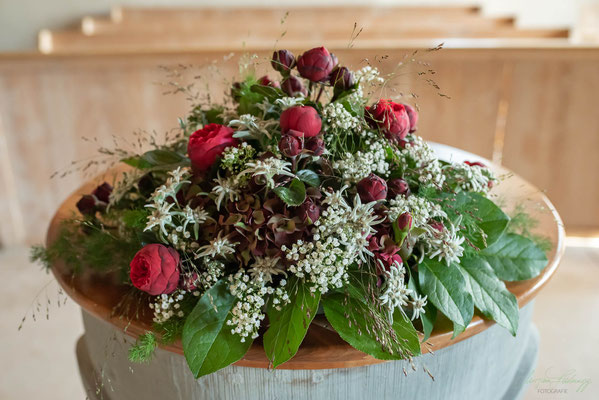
{"x": 20, "y": 20}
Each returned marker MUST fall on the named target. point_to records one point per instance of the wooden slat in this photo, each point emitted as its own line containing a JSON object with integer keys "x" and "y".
{"x": 73, "y": 41}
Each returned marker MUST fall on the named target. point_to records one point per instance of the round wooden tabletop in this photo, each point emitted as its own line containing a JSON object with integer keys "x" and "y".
{"x": 322, "y": 348}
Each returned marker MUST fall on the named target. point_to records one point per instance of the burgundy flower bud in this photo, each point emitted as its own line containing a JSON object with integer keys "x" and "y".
{"x": 102, "y": 192}
{"x": 316, "y": 64}
{"x": 335, "y": 60}
{"x": 342, "y": 78}
{"x": 315, "y": 145}
{"x": 412, "y": 116}
{"x": 309, "y": 211}
{"x": 265, "y": 81}
{"x": 290, "y": 145}
{"x": 302, "y": 119}
{"x": 283, "y": 61}
{"x": 398, "y": 186}
{"x": 293, "y": 86}
{"x": 404, "y": 222}
{"x": 236, "y": 91}
{"x": 475, "y": 164}
{"x": 390, "y": 118}
{"x": 87, "y": 205}
{"x": 372, "y": 188}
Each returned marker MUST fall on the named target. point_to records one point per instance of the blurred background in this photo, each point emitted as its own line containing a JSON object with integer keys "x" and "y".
{"x": 516, "y": 82}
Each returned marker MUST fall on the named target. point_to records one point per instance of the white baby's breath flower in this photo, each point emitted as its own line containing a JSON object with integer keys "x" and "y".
{"x": 421, "y": 209}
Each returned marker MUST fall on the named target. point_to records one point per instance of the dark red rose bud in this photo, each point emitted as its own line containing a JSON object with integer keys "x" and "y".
{"x": 283, "y": 61}
{"x": 475, "y": 164}
{"x": 265, "y": 81}
{"x": 398, "y": 187}
{"x": 309, "y": 211}
{"x": 302, "y": 119}
{"x": 290, "y": 145}
{"x": 342, "y": 78}
{"x": 294, "y": 87}
{"x": 404, "y": 222}
{"x": 102, "y": 192}
{"x": 316, "y": 64}
{"x": 412, "y": 116}
{"x": 335, "y": 60}
{"x": 372, "y": 188}
{"x": 236, "y": 91}
{"x": 87, "y": 205}
{"x": 437, "y": 225}
{"x": 315, "y": 145}
{"x": 390, "y": 118}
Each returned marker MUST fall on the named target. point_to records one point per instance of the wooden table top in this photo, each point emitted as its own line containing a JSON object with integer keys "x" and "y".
{"x": 322, "y": 348}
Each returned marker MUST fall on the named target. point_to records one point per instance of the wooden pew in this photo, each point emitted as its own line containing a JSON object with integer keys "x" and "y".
{"x": 531, "y": 109}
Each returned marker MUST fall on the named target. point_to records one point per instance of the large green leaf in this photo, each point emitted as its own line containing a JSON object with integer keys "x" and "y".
{"x": 367, "y": 330}
{"x": 309, "y": 176}
{"x": 489, "y": 293}
{"x": 156, "y": 159}
{"x": 294, "y": 195}
{"x": 484, "y": 221}
{"x": 515, "y": 258}
{"x": 208, "y": 344}
{"x": 288, "y": 326}
{"x": 447, "y": 289}
{"x": 270, "y": 92}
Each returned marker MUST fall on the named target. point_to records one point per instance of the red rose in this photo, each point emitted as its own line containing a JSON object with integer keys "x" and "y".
{"x": 390, "y": 118}
{"x": 316, "y": 64}
{"x": 266, "y": 81}
{"x": 342, "y": 78}
{"x": 207, "y": 144}
{"x": 155, "y": 269}
{"x": 372, "y": 188}
{"x": 294, "y": 87}
{"x": 283, "y": 61}
{"x": 412, "y": 116}
{"x": 303, "y": 119}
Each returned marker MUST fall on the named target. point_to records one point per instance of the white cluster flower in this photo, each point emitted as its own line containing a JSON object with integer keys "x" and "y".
{"x": 288, "y": 102}
{"x": 445, "y": 244}
{"x": 427, "y": 167}
{"x": 395, "y": 293}
{"x": 340, "y": 240}
{"x": 471, "y": 178}
{"x": 336, "y": 116}
{"x": 421, "y": 209}
{"x": 267, "y": 169}
{"x": 213, "y": 271}
{"x": 247, "y": 313}
{"x": 234, "y": 158}
{"x": 265, "y": 267}
{"x": 226, "y": 188}
{"x": 166, "y": 306}
{"x": 368, "y": 74}
{"x": 218, "y": 247}
{"x": 354, "y": 167}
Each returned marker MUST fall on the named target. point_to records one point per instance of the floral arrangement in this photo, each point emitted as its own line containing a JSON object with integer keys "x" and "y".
{"x": 298, "y": 198}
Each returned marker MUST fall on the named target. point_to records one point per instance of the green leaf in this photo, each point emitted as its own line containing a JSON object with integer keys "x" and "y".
{"x": 271, "y": 93}
{"x": 490, "y": 294}
{"x": 367, "y": 330}
{"x": 157, "y": 158}
{"x": 294, "y": 195}
{"x": 483, "y": 220}
{"x": 515, "y": 258}
{"x": 309, "y": 176}
{"x": 137, "y": 162}
{"x": 447, "y": 289}
{"x": 288, "y": 326}
{"x": 135, "y": 218}
{"x": 208, "y": 344}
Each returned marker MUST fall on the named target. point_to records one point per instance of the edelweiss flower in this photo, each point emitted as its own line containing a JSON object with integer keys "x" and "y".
{"x": 267, "y": 169}
{"x": 418, "y": 304}
{"x": 445, "y": 244}
{"x": 221, "y": 246}
{"x": 161, "y": 216}
{"x": 266, "y": 267}
{"x": 395, "y": 292}
{"x": 225, "y": 188}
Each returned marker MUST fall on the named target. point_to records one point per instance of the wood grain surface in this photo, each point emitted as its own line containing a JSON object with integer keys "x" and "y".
{"x": 322, "y": 347}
